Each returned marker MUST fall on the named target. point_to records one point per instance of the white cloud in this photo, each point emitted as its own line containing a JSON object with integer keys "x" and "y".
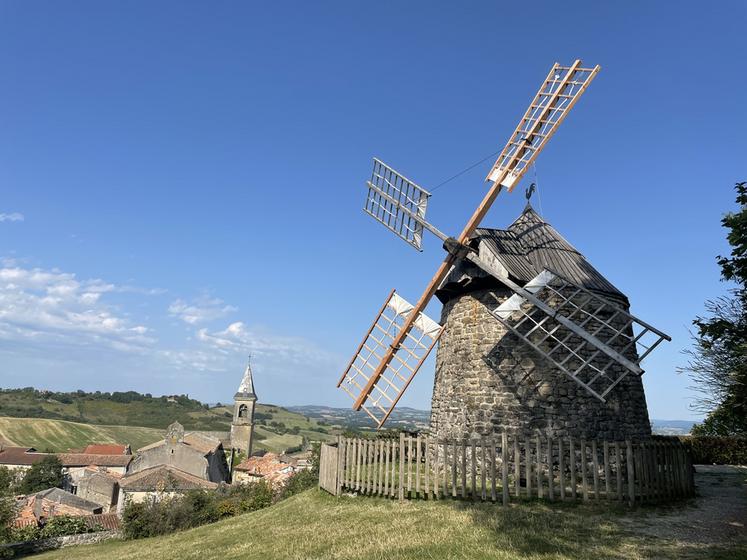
{"x": 50, "y": 306}
{"x": 12, "y": 217}
{"x": 200, "y": 310}
{"x": 222, "y": 349}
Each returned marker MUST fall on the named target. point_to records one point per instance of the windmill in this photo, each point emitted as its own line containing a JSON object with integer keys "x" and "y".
{"x": 586, "y": 337}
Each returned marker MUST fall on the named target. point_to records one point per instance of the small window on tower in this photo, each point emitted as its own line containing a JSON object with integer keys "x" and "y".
{"x": 243, "y": 411}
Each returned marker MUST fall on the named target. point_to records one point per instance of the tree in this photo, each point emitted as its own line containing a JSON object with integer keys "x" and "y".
{"x": 47, "y": 473}
{"x": 718, "y": 360}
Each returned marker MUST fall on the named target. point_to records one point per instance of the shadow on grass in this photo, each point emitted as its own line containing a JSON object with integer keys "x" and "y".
{"x": 530, "y": 528}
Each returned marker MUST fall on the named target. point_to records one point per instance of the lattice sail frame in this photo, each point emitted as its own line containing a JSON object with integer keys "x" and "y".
{"x": 591, "y": 362}
{"x": 411, "y": 354}
{"x": 557, "y": 95}
{"x": 397, "y": 203}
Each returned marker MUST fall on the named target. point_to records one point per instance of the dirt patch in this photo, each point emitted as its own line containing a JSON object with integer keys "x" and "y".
{"x": 718, "y": 516}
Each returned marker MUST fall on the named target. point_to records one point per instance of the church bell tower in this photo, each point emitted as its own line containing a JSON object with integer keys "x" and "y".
{"x": 242, "y": 426}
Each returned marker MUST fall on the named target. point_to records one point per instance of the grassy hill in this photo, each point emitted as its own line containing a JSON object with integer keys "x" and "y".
{"x": 60, "y": 421}
{"x": 317, "y": 525}
{"x": 60, "y": 435}
{"x": 113, "y": 409}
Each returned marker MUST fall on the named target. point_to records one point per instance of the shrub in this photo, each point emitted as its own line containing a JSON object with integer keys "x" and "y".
{"x": 712, "y": 450}
{"x": 300, "y": 481}
{"x": 62, "y": 525}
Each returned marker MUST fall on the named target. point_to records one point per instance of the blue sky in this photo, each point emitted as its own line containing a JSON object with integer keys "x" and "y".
{"x": 181, "y": 182}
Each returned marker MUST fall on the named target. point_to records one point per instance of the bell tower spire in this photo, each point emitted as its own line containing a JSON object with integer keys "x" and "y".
{"x": 242, "y": 426}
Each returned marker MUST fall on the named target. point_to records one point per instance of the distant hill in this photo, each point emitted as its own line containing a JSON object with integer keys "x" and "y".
{"x": 113, "y": 409}
{"x": 672, "y": 427}
{"x": 60, "y": 435}
{"x": 415, "y": 419}
{"x": 402, "y": 417}
{"x": 58, "y": 421}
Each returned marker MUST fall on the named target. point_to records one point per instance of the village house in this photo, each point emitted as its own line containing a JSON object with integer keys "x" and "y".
{"x": 181, "y": 461}
{"x": 19, "y": 458}
{"x": 101, "y": 486}
{"x": 50, "y": 503}
{"x": 158, "y": 482}
{"x": 270, "y": 467}
{"x": 74, "y": 466}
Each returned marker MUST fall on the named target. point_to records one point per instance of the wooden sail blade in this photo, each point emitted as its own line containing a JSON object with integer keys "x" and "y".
{"x": 397, "y": 203}
{"x": 417, "y": 343}
{"x": 554, "y": 100}
{"x": 477, "y": 217}
{"x": 590, "y": 338}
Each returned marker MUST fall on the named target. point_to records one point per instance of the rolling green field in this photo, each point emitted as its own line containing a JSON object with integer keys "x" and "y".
{"x": 316, "y": 525}
{"x": 60, "y": 435}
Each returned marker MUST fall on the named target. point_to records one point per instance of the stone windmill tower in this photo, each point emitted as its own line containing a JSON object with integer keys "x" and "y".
{"x": 489, "y": 380}
{"x": 532, "y": 336}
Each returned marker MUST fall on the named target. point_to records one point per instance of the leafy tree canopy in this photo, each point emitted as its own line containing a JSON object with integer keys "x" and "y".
{"x": 718, "y": 360}
{"x": 47, "y": 473}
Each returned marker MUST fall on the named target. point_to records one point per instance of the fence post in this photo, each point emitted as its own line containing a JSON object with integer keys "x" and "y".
{"x": 401, "y": 481}
{"x": 483, "y": 470}
{"x": 631, "y": 472}
{"x": 539, "y": 468}
{"x": 528, "y": 449}
{"x": 340, "y": 466}
{"x": 595, "y": 466}
{"x": 561, "y": 469}
{"x": 572, "y": 459}
{"x": 504, "y": 466}
{"x": 492, "y": 470}
{"x": 618, "y": 472}
{"x": 550, "y": 473}
{"x": 584, "y": 485}
{"x": 607, "y": 485}
{"x": 517, "y": 466}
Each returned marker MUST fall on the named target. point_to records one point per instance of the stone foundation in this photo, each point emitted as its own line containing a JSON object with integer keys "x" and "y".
{"x": 487, "y": 381}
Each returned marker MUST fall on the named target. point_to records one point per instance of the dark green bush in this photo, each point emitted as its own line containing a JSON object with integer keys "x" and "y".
{"x": 711, "y": 450}
{"x": 192, "y": 509}
{"x": 300, "y": 481}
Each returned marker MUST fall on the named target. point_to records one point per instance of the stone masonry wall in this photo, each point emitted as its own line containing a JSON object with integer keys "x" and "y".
{"x": 488, "y": 380}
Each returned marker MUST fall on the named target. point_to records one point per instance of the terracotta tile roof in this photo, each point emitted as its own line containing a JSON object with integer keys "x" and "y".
{"x": 266, "y": 465}
{"x": 106, "y": 449}
{"x": 20, "y": 456}
{"x": 86, "y": 459}
{"x": 163, "y": 478}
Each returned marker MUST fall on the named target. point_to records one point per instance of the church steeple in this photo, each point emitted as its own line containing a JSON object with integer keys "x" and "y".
{"x": 246, "y": 388}
{"x": 244, "y": 401}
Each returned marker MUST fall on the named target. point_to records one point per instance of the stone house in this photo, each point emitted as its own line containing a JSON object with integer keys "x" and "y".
{"x": 51, "y": 503}
{"x": 158, "y": 482}
{"x": 194, "y": 453}
{"x": 100, "y": 486}
{"x": 181, "y": 461}
{"x": 75, "y": 465}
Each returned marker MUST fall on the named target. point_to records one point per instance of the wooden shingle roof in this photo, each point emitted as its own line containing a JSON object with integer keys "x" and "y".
{"x": 525, "y": 248}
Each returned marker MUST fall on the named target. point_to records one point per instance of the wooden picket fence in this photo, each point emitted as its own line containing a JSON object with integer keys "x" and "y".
{"x": 508, "y": 468}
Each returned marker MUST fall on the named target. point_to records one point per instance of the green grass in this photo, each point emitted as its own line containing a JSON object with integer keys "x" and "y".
{"x": 60, "y": 435}
{"x": 317, "y": 525}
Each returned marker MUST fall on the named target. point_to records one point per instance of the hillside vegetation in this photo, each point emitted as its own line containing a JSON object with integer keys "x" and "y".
{"x": 60, "y": 435}
{"x": 317, "y": 525}
{"x": 60, "y": 421}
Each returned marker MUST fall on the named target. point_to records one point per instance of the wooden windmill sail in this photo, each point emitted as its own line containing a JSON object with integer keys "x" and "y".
{"x": 558, "y": 318}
